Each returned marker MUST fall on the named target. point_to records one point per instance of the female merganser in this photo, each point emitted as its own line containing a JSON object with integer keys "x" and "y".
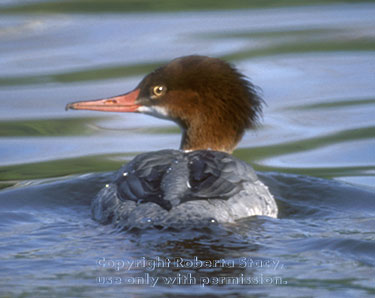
{"x": 201, "y": 183}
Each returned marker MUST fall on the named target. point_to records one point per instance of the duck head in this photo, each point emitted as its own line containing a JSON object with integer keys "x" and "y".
{"x": 208, "y": 98}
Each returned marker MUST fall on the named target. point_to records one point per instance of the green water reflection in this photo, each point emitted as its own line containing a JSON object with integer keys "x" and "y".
{"x": 335, "y": 104}
{"x": 119, "y": 6}
{"x": 292, "y": 43}
{"x": 47, "y": 127}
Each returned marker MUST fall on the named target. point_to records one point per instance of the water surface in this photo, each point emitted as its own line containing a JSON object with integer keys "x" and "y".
{"x": 315, "y": 150}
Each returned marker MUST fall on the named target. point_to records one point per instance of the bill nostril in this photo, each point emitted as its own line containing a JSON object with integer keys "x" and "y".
{"x": 111, "y": 101}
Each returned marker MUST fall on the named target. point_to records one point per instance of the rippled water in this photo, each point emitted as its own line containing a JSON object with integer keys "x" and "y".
{"x": 315, "y": 151}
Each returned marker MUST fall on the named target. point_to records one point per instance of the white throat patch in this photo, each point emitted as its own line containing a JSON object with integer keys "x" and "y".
{"x": 155, "y": 111}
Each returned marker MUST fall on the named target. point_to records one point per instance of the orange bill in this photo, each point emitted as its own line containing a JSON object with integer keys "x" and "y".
{"x": 121, "y": 103}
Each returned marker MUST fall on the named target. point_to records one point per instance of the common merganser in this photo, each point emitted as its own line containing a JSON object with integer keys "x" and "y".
{"x": 201, "y": 183}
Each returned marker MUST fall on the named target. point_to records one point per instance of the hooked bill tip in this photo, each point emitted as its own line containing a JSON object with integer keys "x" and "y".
{"x": 69, "y": 106}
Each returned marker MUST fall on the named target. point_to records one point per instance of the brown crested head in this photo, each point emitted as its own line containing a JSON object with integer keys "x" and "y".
{"x": 211, "y": 101}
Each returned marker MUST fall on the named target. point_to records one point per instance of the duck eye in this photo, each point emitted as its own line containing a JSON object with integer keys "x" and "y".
{"x": 159, "y": 90}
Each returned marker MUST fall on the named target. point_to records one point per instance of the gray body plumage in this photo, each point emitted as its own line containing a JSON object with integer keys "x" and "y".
{"x": 172, "y": 188}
